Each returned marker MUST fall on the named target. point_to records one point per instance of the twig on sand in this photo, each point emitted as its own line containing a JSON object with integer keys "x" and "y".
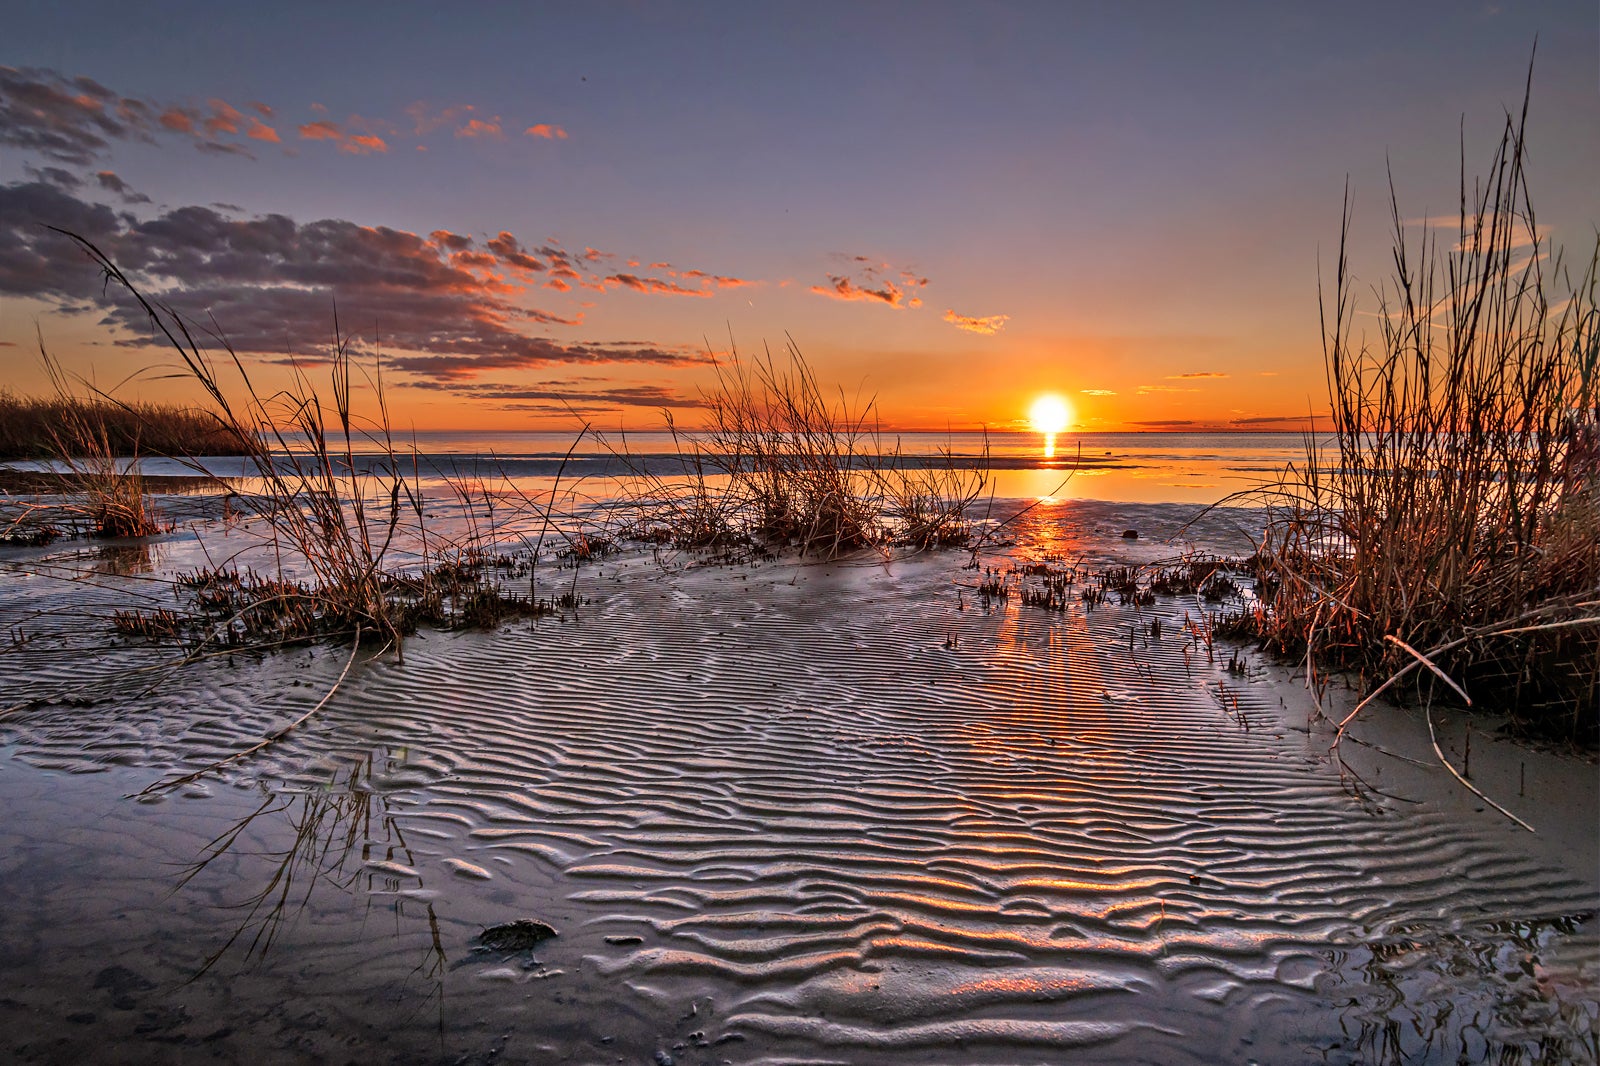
{"x": 1469, "y": 785}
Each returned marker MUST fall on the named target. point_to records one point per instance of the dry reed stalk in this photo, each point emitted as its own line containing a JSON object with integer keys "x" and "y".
{"x": 781, "y": 463}
{"x": 1460, "y": 488}
{"x": 325, "y": 510}
{"x": 109, "y": 485}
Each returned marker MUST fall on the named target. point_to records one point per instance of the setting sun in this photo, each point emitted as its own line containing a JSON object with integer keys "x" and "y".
{"x": 1049, "y": 415}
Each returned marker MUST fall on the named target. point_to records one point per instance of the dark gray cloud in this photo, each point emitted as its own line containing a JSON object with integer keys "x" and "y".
{"x": 36, "y": 262}
{"x": 75, "y": 120}
{"x": 1264, "y": 420}
{"x": 61, "y": 179}
{"x": 652, "y": 396}
{"x": 70, "y": 120}
{"x": 271, "y": 285}
{"x": 108, "y": 180}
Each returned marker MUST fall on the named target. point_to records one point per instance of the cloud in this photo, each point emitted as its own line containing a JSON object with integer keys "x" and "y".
{"x": 987, "y": 326}
{"x": 532, "y": 353}
{"x": 1259, "y": 420}
{"x": 361, "y": 144}
{"x": 1195, "y": 374}
{"x": 109, "y": 181}
{"x": 1097, "y": 392}
{"x": 70, "y": 120}
{"x": 867, "y": 280}
{"x": 425, "y": 118}
{"x": 75, "y": 120}
{"x": 321, "y": 130}
{"x": 224, "y": 118}
{"x": 842, "y": 288}
{"x": 61, "y": 179}
{"x": 480, "y": 128}
{"x": 507, "y": 249}
{"x": 1146, "y": 390}
{"x": 353, "y": 143}
{"x": 260, "y": 131}
{"x": 654, "y": 285}
{"x": 574, "y": 396}
{"x": 1168, "y": 422}
{"x": 704, "y": 284}
{"x": 272, "y": 284}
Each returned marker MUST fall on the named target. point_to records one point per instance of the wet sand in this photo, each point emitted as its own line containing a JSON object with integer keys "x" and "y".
{"x": 788, "y": 812}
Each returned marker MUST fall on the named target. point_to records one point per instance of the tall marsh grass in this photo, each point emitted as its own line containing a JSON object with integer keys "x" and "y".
{"x": 1452, "y": 527}
{"x": 30, "y": 427}
{"x": 784, "y": 463}
{"x": 96, "y": 442}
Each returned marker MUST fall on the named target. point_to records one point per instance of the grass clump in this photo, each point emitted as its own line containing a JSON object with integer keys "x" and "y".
{"x": 333, "y": 495}
{"x": 1455, "y": 515}
{"x": 93, "y": 439}
{"x": 782, "y": 464}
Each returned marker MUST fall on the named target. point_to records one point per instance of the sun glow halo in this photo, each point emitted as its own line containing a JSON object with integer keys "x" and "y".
{"x": 1049, "y": 415}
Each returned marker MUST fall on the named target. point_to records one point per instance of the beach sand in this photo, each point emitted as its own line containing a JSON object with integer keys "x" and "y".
{"x": 779, "y": 812}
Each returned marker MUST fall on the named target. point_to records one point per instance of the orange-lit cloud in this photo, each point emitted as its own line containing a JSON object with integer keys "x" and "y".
{"x": 720, "y": 281}
{"x": 705, "y": 284}
{"x": 655, "y": 285}
{"x": 1097, "y": 392}
{"x": 361, "y": 144}
{"x": 842, "y": 288}
{"x": 867, "y": 280}
{"x": 1195, "y": 374}
{"x": 986, "y": 325}
{"x": 260, "y": 131}
{"x": 353, "y": 143}
{"x": 224, "y": 118}
{"x": 482, "y": 128}
{"x": 511, "y": 252}
{"x": 177, "y": 120}
{"x": 546, "y": 131}
{"x": 1146, "y": 390}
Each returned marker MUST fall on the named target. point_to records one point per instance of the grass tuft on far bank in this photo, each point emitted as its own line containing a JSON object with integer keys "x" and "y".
{"x": 32, "y": 427}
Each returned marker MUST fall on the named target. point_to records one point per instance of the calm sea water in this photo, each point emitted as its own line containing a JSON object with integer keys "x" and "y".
{"x": 1130, "y": 467}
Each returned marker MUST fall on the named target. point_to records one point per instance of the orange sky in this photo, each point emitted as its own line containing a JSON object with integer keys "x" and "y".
{"x": 952, "y": 214}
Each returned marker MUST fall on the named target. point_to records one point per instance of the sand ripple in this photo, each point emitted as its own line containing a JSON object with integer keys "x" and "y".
{"x": 819, "y": 813}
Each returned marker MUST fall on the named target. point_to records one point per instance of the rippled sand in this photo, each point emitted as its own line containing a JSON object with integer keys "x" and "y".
{"x": 781, "y": 813}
